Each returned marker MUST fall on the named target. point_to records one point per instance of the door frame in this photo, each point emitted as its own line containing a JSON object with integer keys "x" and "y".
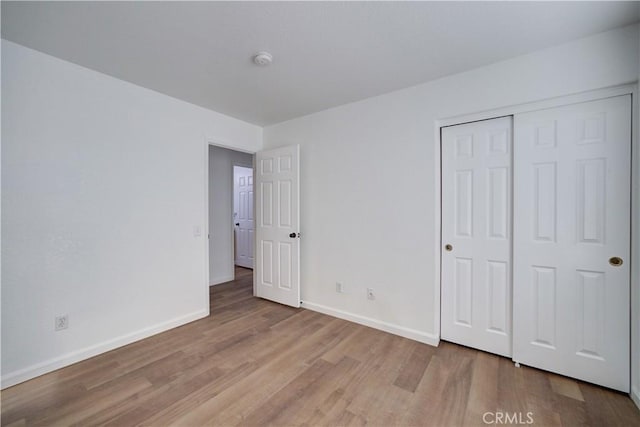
{"x": 629, "y": 89}
{"x": 216, "y": 143}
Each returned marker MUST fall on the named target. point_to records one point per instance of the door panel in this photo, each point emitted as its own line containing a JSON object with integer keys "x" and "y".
{"x": 572, "y": 210}
{"x": 476, "y": 222}
{"x": 498, "y": 203}
{"x": 278, "y": 218}
{"x": 544, "y": 302}
{"x": 498, "y": 281}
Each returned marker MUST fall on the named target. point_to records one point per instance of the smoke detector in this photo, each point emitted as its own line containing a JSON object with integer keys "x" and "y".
{"x": 262, "y": 59}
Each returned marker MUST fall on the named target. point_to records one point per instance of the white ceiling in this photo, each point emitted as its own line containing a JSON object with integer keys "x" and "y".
{"x": 325, "y": 53}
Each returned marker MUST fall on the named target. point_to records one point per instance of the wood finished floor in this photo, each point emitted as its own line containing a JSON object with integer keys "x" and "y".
{"x": 255, "y": 363}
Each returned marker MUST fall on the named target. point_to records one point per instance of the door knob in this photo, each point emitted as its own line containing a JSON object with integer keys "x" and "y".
{"x": 237, "y": 224}
{"x": 615, "y": 261}
{"x": 294, "y": 235}
{"x": 448, "y": 247}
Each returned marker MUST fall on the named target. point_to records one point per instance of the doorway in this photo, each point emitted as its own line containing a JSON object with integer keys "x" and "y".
{"x": 275, "y": 205}
{"x": 221, "y": 209}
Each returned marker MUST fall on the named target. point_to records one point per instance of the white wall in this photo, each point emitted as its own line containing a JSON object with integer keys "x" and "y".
{"x": 221, "y": 260}
{"x": 102, "y": 185}
{"x": 369, "y": 214}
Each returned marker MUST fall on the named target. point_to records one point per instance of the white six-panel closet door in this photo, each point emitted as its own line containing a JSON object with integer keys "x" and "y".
{"x": 571, "y": 240}
{"x": 476, "y": 235}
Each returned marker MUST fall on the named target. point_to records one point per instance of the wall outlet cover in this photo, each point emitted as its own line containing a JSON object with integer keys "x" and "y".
{"x": 62, "y": 322}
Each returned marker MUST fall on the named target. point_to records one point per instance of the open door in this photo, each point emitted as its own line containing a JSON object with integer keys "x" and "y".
{"x": 277, "y": 261}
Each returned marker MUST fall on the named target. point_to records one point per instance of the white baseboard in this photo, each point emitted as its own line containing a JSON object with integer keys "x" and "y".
{"x": 220, "y": 280}
{"x": 635, "y": 396}
{"x": 413, "y": 334}
{"x": 13, "y": 378}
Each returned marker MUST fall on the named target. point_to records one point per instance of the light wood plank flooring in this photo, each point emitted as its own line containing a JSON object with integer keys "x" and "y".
{"x": 255, "y": 363}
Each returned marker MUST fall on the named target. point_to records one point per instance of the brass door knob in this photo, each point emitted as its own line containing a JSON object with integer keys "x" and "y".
{"x": 615, "y": 261}
{"x": 448, "y": 247}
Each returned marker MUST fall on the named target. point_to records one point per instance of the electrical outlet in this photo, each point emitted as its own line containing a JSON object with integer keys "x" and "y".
{"x": 339, "y": 288}
{"x": 370, "y": 294}
{"x": 62, "y": 322}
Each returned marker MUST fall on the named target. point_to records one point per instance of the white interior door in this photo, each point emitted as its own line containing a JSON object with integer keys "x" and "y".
{"x": 243, "y": 215}
{"x": 572, "y": 210}
{"x": 278, "y": 225}
{"x": 476, "y": 235}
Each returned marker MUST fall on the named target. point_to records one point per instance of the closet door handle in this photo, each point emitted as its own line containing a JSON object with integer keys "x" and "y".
{"x": 448, "y": 247}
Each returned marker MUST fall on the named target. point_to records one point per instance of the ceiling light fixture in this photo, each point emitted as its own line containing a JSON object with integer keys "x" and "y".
{"x": 262, "y": 59}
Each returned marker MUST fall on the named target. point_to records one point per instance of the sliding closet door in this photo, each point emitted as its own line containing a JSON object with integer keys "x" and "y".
{"x": 571, "y": 240}
{"x": 476, "y": 235}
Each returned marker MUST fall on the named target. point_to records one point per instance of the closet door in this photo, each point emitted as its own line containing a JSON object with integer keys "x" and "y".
{"x": 476, "y": 235}
{"x": 571, "y": 240}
